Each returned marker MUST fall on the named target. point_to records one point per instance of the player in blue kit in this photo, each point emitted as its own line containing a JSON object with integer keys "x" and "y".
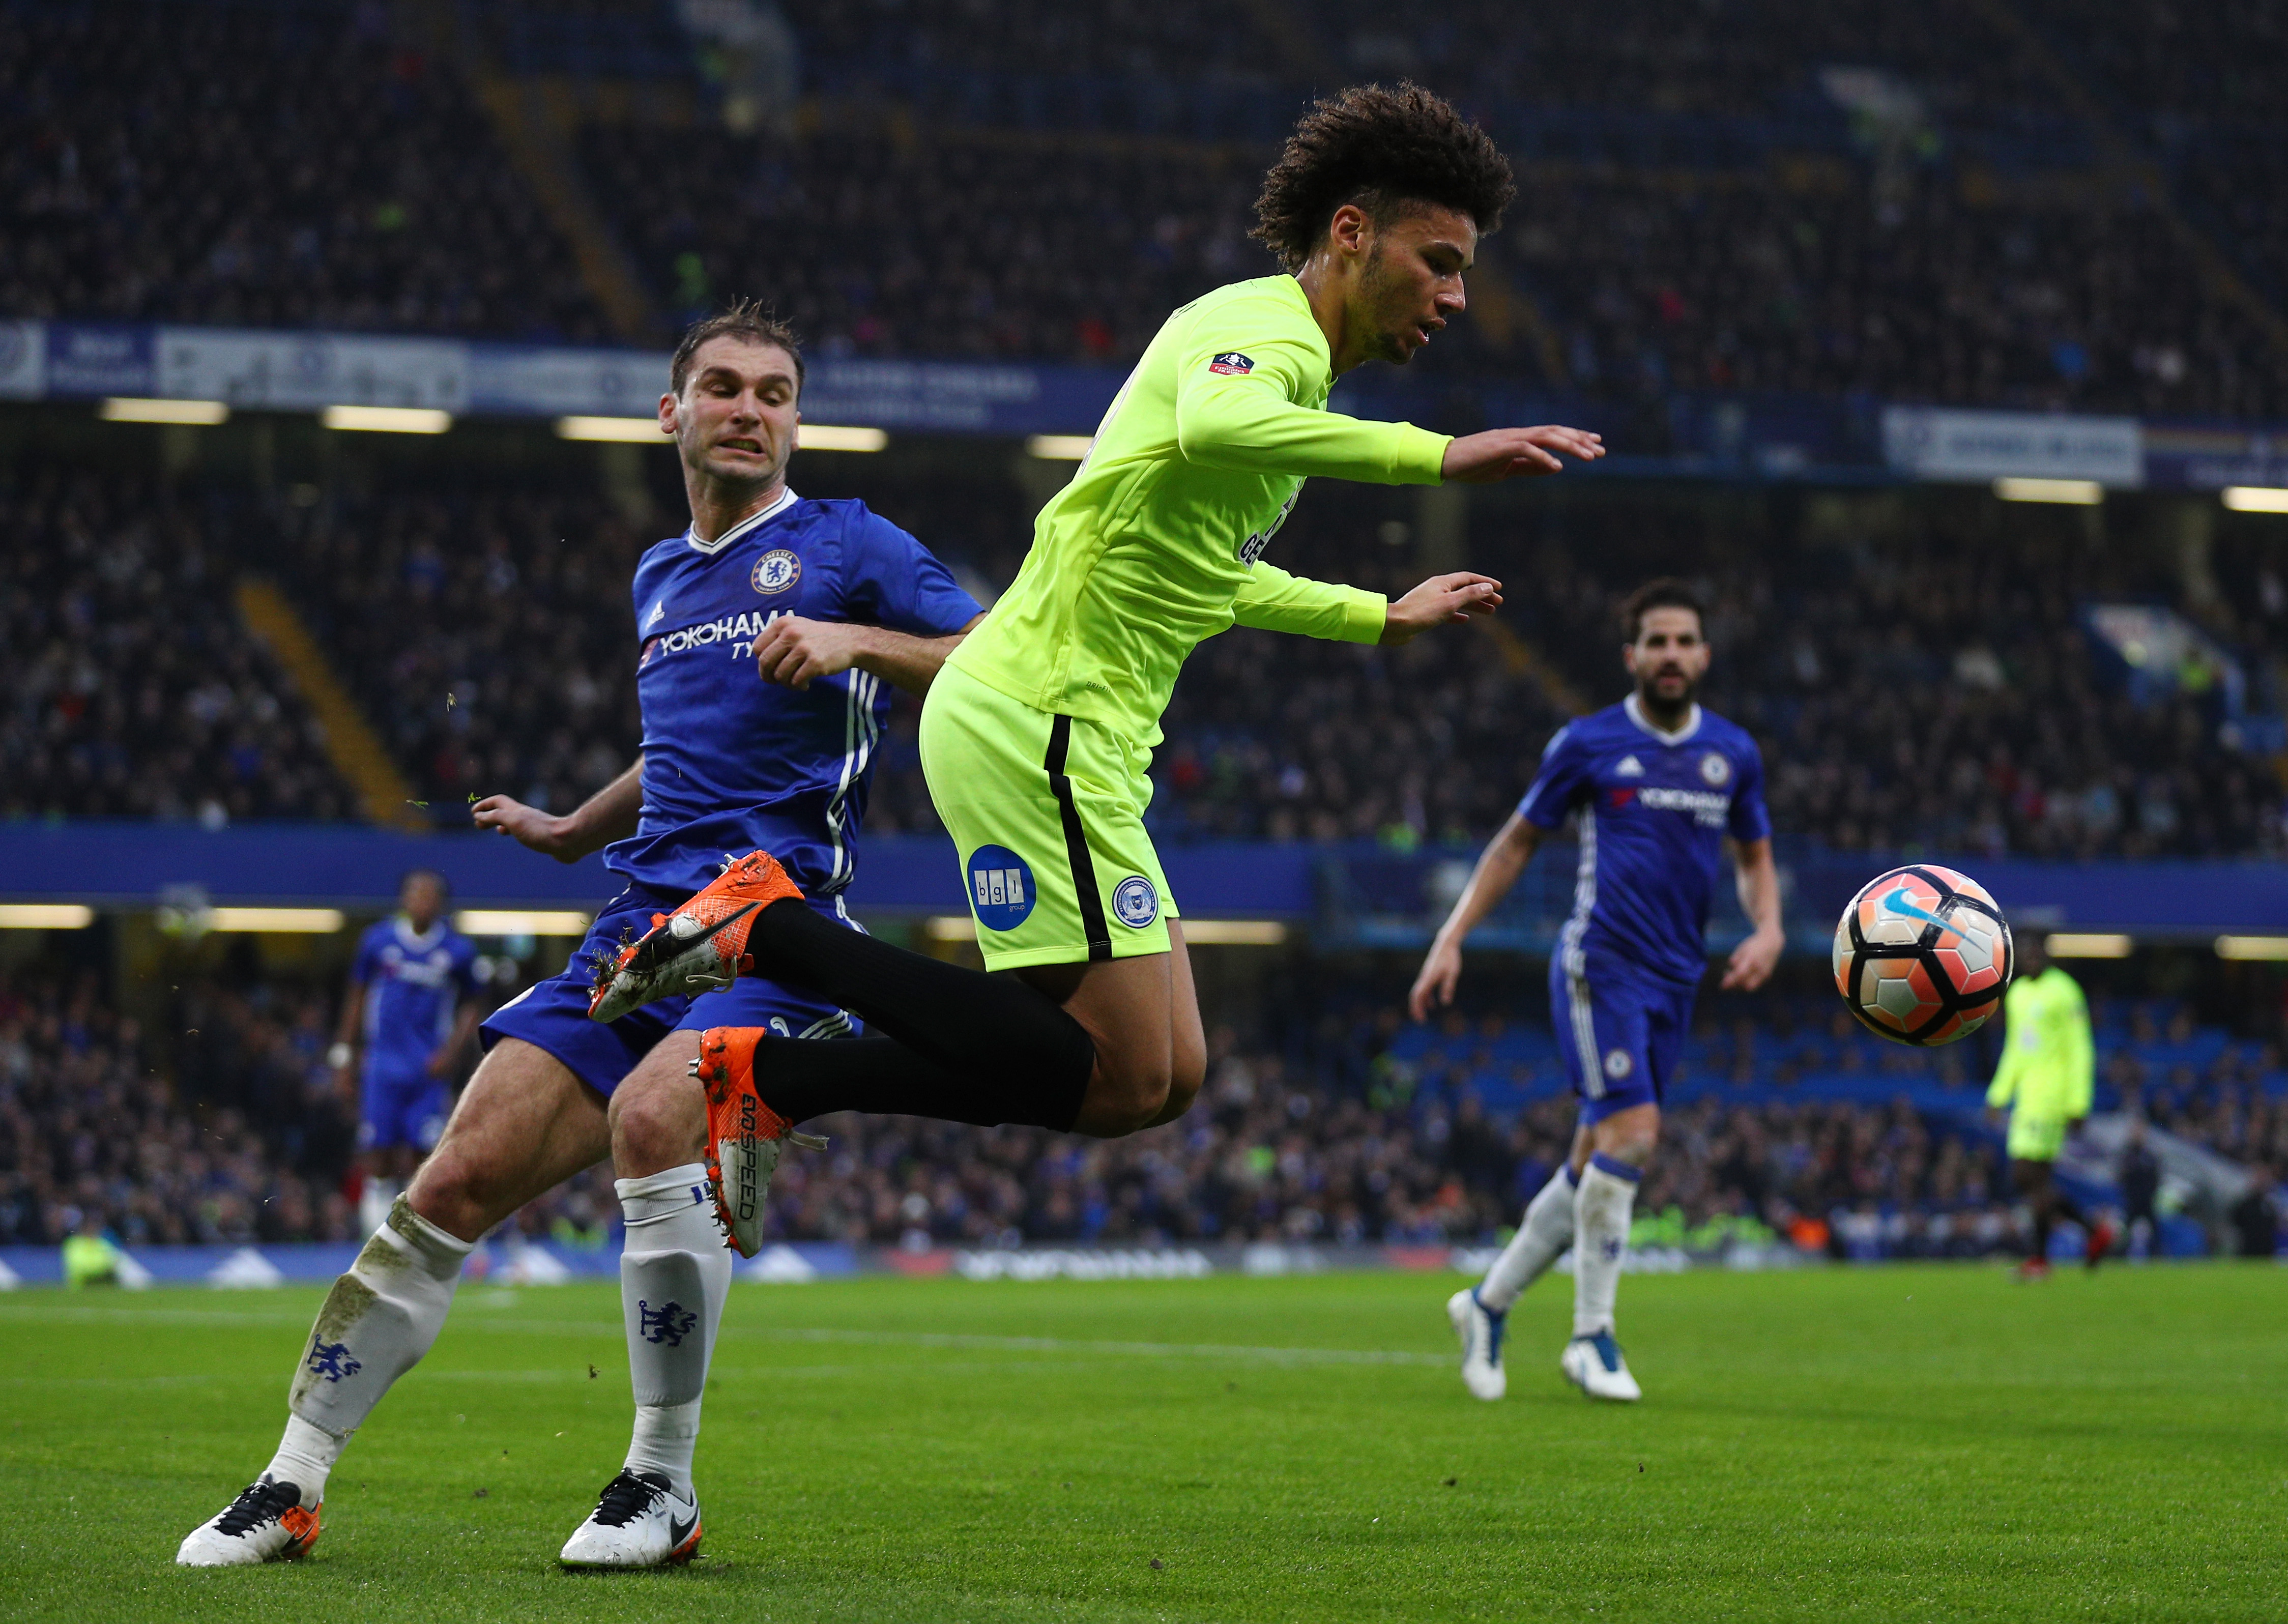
{"x": 1658, "y": 786}
{"x": 767, "y": 638}
{"x": 408, "y": 1004}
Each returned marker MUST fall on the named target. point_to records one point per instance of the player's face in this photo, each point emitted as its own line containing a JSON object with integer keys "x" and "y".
{"x": 1669, "y": 657}
{"x": 735, "y": 419}
{"x": 1411, "y": 285}
{"x": 423, "y": 900}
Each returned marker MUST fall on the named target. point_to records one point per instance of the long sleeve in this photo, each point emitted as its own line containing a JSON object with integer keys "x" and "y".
{"x": 2015, "y": 1049}
{"x": 1271, "y": 599}
{"x": 2079, "y": 1057}
{"x": 1238, "y": 386}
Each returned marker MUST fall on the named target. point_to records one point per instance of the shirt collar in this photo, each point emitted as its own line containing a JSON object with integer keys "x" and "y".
{"x": 1636, "y": 714}
{"x": 787, "y": 498}
{"x": 413, "y": 938}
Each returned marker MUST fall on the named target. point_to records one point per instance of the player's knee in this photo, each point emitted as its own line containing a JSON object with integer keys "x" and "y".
{"x": 458, "y": 1193}
{"x": 656, "y": 1126}
{"x": 1120, "y": 1103}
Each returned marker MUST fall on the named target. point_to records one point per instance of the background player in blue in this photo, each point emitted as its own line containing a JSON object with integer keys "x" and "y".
{"x": 766, "y": 637}
{"x": 1659, "y": 785}
{"x": 408, "y": 1005}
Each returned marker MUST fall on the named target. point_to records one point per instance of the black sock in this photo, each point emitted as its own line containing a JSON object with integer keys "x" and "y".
{"x": 992, "y": 1048}
{"x": 801, "y": 1077}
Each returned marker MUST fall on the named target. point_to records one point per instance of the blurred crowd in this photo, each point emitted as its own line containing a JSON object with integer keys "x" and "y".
{"x": 1956, "y": 206}
{"x": 128, "y": 686}
{"x": 1920, "y": 675}
{"x": 222, "y": 1123}
{"x": 1921, "y": 672}
{"x": 262, "y": 164}
{"x": 1023, "y": 249}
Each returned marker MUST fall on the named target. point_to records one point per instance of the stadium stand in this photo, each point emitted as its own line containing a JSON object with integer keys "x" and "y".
{"x": 132, "y": 690}
{"x": 270, "y": 163}
{"x": 1348, "y": 1124}
{"x": 1950, "y": 219}
{"x": 1921, "y": 672}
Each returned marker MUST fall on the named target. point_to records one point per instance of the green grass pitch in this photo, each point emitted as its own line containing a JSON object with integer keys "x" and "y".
{"x": 1897, "y": 1442}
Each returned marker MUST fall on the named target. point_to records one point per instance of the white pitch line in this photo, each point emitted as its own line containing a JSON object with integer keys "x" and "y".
{"x": 481, "y": 1320}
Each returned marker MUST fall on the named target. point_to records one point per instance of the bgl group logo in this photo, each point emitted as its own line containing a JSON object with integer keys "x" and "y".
{"x": 1001, "y": 889}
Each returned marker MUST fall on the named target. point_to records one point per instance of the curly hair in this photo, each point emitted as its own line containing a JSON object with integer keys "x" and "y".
{"x": 745, "y": 318}
{"x": 1384, "y": 150}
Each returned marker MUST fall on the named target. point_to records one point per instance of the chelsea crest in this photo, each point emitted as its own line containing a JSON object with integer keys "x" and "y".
{"x": 775, "y": 571}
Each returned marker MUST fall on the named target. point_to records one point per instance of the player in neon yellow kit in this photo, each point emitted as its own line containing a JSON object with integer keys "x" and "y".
{"x": 2045, "y": 1081}
{"x": 1037, "y": 734}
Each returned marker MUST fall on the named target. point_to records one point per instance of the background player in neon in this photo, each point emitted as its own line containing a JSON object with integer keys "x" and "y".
{"x": 2045, "y": 1080}
{"x": 1658, "y": 785}
{"x": 827, "y": 603}
{"x": 409, "y": 1004}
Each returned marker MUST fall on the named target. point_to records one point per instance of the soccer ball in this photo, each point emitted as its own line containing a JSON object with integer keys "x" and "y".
{"x": 1922, "y": 955}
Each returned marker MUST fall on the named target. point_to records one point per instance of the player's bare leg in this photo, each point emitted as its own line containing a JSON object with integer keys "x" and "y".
{"x": 1143, "y": 1015}
{"x": 1609, "y": 1160}
{"x": 524, "y": 1123}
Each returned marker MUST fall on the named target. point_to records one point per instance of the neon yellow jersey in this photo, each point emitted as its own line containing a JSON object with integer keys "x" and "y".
{"x": 1156, "y": 542}
{"x": 2047, "y": 1066}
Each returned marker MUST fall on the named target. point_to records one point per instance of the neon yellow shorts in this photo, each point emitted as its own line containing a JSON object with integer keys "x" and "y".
{"x": 1047, "y": 814}
{"x": 2035, "y": 1139}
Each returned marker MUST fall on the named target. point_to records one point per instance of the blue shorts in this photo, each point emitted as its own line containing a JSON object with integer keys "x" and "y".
{"x": 553, "y": 1015}
{"x": 399, "y": 1105}
{"x": 1620, "y": 1031}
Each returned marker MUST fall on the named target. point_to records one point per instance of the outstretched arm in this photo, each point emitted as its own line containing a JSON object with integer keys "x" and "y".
{"x": 1758, "y": 877}
{"x": 1271, "y": 599}
{"x": 1241, "y": 392}
{"x": 609, "y": 815}
{"x": 797, "y": 652}
{"x": 1502, "y": 860}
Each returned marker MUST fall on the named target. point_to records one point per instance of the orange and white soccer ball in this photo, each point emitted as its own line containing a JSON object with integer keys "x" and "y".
{"x": 1923, "y": 955}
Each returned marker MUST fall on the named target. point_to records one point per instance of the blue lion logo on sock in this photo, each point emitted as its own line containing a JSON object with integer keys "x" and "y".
{"x": 669, "y": 1323}
{"x": 332, "y": 1360}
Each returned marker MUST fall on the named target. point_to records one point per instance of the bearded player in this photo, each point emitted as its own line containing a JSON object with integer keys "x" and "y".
{"x": 827, "y": 605}
{"x": 1037, "y": 735}
{"x": 1658, "y": 785}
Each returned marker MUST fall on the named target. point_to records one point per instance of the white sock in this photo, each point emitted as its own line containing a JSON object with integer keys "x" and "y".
{"x": 305, "y": 1456}
{"x": 1601, "y": 1237}
{"x": 374, "y": 1202}
{"x": 1542, "y": 1235}
{"x": 675, "y": 1273}
{"x": 374, "y": 1325}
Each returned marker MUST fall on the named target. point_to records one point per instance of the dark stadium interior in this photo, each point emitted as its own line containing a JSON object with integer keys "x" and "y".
{"x": 1735, "y": 206}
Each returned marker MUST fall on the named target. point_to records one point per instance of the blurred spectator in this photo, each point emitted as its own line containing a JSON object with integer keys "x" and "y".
{"x": 282, "y": 164}
{"x": 131, "y": 688}
{"x": 2139, "y": 1174}
{"x": 2255, "y": 1217}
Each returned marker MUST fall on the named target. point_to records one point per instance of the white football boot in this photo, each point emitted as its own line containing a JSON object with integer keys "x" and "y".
{"x": 1480, "y": 1329}
{"x": 265, "y": 1523}
{"x": 639, "y": 1521}
{"x": 1594, "y": 1364}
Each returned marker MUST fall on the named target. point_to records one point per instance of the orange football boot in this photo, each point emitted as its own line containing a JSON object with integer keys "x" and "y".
{"x": 700, "y": 947}
{"x": 745, "y": 1135}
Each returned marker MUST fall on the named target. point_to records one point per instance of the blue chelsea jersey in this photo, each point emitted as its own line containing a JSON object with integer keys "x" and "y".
{"x": 413, "y": 982}
{"x": 732, "y": 762}
{"x": 1655, "y": 809}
